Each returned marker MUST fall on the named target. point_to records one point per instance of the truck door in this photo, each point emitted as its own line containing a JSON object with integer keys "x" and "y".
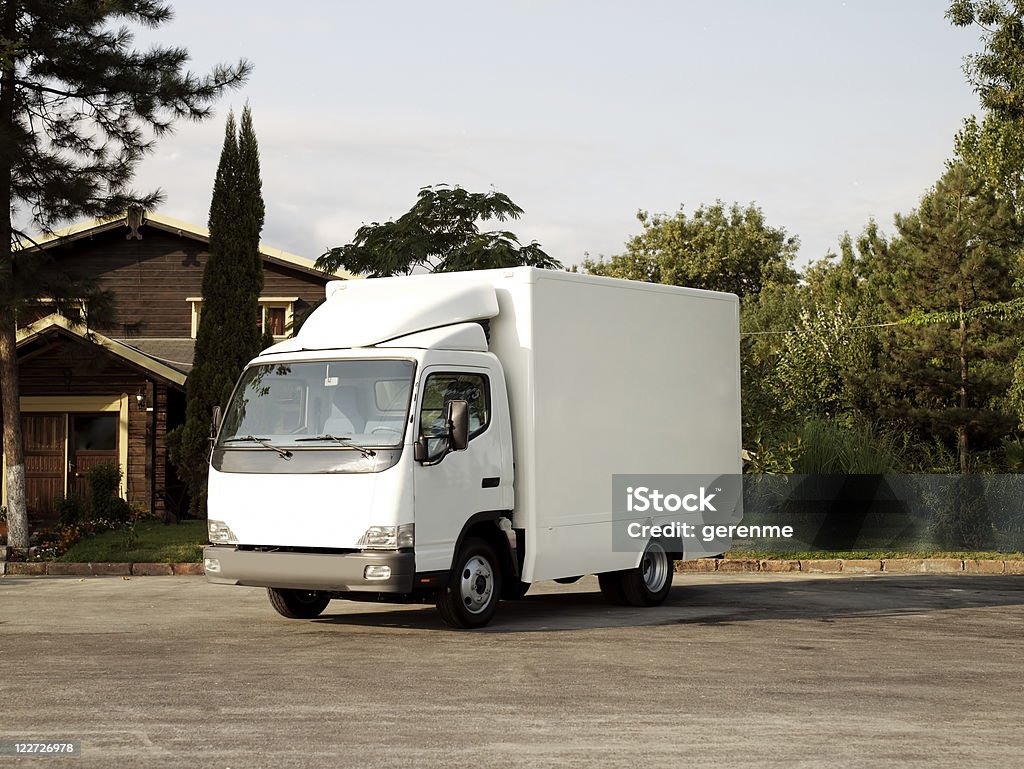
{"x": 451, "y": 486}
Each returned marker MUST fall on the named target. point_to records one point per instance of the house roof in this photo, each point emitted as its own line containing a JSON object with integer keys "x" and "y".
{"x": 174, "y": 352}
{"x": 59, "y": 324}
{"x": 177, "y": 227}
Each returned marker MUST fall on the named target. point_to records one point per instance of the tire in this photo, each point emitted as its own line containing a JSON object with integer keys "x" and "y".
{"x": 474, "y": 588}
{"x": 611, "y": 587}
{"x": 650, "y": 582}
{"x": 297, "y": 604}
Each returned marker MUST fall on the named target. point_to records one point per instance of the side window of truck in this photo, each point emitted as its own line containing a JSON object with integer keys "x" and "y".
{"x": 441, "y": 388}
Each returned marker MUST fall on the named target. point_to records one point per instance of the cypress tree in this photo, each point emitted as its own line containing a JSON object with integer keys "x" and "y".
{"x": 228, "y": 336}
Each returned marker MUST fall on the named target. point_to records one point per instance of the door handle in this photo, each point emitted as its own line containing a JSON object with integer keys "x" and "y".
{"x": 490, "y": 483}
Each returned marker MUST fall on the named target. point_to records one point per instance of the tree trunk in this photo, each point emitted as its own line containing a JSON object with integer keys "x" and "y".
{"x": 14, "y": 449}
{"x": 961, "y": 431}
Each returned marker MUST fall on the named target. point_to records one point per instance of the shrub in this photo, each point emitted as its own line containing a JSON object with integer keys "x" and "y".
{"x": 1013, "y": 451}
{"x": 104, "y": 482}
{"x": 930, "y": 458}
{"x": 773, "y": 459}
{"x": 832, "y": 448}
{"x": 70, "y": 510}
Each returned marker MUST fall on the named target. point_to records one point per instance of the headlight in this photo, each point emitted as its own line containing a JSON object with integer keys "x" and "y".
{"x": 387, "y": 537}
{"x": 220, "y": 533}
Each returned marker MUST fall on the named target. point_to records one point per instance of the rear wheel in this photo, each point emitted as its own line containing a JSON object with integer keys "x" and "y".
{"x": 650, "y": 582}
{"x": 297, "y": 604}
{"x": 471, "y": 596}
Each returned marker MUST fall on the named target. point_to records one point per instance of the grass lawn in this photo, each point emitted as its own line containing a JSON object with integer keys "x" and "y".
{"x": 154, "y": 542}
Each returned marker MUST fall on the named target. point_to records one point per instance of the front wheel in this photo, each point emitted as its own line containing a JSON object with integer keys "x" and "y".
{"x": 297, "y": 604}
{"x": 650, "y": 582}
{"x": 471, "y": 596}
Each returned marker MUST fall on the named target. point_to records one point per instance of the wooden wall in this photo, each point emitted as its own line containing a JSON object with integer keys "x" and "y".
{"x": 61, "y": 366}
{"x": 151, "y": 279}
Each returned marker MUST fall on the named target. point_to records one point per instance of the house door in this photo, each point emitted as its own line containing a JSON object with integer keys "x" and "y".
{"x": 93, "y": 442}
{"x": 44, "y": 437}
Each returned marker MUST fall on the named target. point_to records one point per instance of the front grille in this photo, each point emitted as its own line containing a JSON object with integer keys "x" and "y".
{"x": 317, "y": 550}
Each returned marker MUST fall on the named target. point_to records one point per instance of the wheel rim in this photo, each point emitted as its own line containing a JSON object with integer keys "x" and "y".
{"x": 307, "y": 597}
{"x": 654, "y": 567}
{"x": 476, "y": 585}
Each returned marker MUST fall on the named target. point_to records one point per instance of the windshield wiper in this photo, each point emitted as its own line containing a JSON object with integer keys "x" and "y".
{"x": 263, "y": 442}
{"x": 343, "y": 440}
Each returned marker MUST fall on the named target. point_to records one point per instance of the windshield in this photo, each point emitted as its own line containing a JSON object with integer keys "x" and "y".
{"x": 344, "y": 405}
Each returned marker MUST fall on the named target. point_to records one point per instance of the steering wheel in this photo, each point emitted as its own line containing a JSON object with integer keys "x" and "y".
{"x": 391, "y": 430}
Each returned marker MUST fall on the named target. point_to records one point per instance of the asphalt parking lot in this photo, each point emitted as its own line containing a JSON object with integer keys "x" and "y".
{"x": 735, "y": 670}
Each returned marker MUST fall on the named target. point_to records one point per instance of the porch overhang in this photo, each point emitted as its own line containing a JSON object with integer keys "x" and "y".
{"x": 58, "y": 324}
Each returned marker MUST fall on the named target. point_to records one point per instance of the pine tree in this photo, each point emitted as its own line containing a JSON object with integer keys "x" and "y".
{"x": 958, "y": 256}
{"x": 228, "y": 336}
{"x": 79, "y": 108}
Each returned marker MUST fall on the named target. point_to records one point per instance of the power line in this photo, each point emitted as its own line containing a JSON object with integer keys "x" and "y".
{"x": 848, "y": 328}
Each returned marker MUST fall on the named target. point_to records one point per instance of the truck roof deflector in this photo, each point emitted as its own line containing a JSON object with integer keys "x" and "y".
{"x": 365, "y": 312}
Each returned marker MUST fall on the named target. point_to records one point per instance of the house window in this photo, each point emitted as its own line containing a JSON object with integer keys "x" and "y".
{"x": 274, "y": 318}
{"x": 275, "y": 314}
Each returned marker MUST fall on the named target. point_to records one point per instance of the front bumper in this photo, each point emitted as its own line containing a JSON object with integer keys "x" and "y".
{"x": 342, "y": 572}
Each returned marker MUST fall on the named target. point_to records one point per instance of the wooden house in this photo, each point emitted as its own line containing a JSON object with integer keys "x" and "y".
{"x": 110, "y": 395}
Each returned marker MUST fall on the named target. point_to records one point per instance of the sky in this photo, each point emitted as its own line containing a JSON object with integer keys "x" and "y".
{"x": 822, "y": 112}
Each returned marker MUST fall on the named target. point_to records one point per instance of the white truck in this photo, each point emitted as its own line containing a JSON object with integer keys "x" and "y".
{"x": 455, "y": 437}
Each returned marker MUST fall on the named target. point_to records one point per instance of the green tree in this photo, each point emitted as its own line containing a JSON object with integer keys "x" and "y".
{"x": 810, "y": 350}
{"x": 997, "y": 72}
{"x": 993, "y": 150}
{"x": 79, "y": 107}
{"x": 994, "y": 147}
{"x": 440, "y": 233}
{"x": 815, "y": 362}
{"x": 765, "y": 322}
{"x": 227, "y": 337}
{"x": 716, "y": 248}
{"x": 845, "y": 321}
{"x": 958, "y": 255}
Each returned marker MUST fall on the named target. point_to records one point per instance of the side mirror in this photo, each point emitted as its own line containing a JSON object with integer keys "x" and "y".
{"x": 419, "y": 450}
{"x": 215, "y": 423}
{"x": 458, "y": 425}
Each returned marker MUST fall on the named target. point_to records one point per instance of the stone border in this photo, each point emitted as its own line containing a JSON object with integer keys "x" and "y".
{"x": 701, "y": 565}
{"x": 60, "y": 569}
{"x": 856, "y": 566}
